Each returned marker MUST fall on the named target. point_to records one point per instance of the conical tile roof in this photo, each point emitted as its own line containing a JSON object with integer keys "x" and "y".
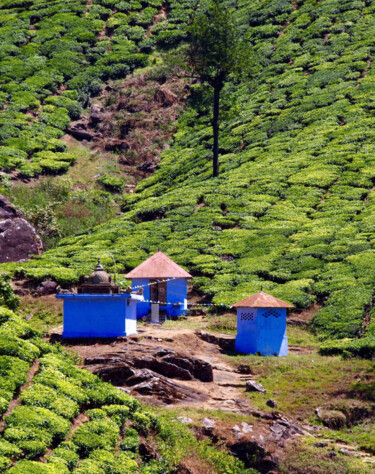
{"x": 158, "y": 266}
{"x": 262, "y": 300}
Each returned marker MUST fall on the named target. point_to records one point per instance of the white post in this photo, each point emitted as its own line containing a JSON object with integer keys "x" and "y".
{"x": 155, "y": 313}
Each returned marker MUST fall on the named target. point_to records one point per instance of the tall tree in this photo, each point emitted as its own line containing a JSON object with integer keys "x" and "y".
{"x": 216, "y": 49}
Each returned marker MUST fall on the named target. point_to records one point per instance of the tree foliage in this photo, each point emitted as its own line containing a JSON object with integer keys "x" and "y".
{"x": 216, "y": 49}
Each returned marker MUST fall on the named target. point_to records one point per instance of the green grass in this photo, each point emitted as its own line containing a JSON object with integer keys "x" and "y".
{"x": 361, "y": 435}
{"x": 301, "y": 337}
{"x": 42, "y": 314}
{"x": 301, "y": 382}
{"x": 303, "y": 458}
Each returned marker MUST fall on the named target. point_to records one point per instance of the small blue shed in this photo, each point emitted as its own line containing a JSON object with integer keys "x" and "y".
{"x": 100, "y": 315}
{"x": 261, "y": 325}
{"x": 162, "y": 280}
{"x": 99, "y": 310}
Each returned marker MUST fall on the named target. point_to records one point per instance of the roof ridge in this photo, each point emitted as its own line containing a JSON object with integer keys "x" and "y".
{"x": 166, "y": 269}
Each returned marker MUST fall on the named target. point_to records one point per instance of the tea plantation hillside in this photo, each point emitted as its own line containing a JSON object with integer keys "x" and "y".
{"x": 54, "y": 56}
{"x": 293, "y": 208}
{"x": 56, "y": 418}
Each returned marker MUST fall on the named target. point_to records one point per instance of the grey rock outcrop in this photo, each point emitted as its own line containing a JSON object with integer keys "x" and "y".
{"x": 252, "y": 386}
{"x": 18, "y": 238}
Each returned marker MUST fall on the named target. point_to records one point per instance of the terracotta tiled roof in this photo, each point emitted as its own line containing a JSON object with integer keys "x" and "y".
{"x": 262, "y": 300}
{"x": 158, "y": 266}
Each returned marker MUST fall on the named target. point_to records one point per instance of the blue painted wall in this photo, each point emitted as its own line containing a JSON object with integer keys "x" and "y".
{"x": 142, "y": 308}
{"x": 92, "y": 315}
{"x": 262, "y": 330}
{"x": 176, "y": 293}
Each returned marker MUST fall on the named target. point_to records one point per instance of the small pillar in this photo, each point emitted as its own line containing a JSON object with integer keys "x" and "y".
{"x": 261, "y": 325}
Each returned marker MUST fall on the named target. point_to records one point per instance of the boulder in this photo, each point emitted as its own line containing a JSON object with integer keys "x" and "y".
{"x": 320, "y": 445}
{"x": 185, "y": 420}
{"x": 97, "y": 114}
{"x": 165, "y": 97}
{"x": 271, "y": 403}
{"x": 333, "y": 419}
{"x": 207, "y": 422}
{"x": 117, "y": 373}
{"x": 47, "y": 287}
{"x": 252, "y": 386}
{"x": 225, "y": 342}
{"x": 244, "y": 369}
{"x": 79, "y": 131}
{"x": 163, "y": 367}
{"x": 116, "y": 145}
{"x": 148, "y": 166}
{"x": 166, "y": 391}
{"x": 18, "y": 238}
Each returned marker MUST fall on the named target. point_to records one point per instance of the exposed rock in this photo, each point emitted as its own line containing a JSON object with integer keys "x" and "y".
{"x": 246, "y": 428}
{"x": 166, "y": 391}
{"x": 348, "y": 452}
{"x": 148, "y": 166}
{"x": 79, "y": 131}
{"x": 296, "y": 322}
{"x": 165, "y": 97}
{"x": 244, "y": 369}
{"x": 271, "y": 403}
{"x": 18, "y": 238}
{"x": 148, "y": 452}
{"x": 140, "y": 376}
{"x": 237, "y": 432}
{"x": 320, "y": 445}
{"x": 162, "y": 367}
{"x": 225, "y": 342}
{"x": 333, "y": 419}
{"x": 116, "y": 145}
{"x": 354, "y": 410}
{"x": 162, "y": 361}
{"x": 207, "y": 422}
{"x": 116, "y": 373}
{"x": 47, "y": 287}
{"x": 252, "y": 386}
{"x": 97, "y": 114}
{"x": 185, "y": 420}
{"x": 253, "y": 454}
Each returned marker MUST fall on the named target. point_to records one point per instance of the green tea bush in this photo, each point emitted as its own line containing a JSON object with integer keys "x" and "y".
{"x": 33, "y": 467}
{"x": 131, "y": 441}
{"x": 43, "y": 396}
{"x": 96, "y": 434}
{"x": 112, "y": 184}
{"x": 363, "y": 348}
{"x": 67, "y": 452}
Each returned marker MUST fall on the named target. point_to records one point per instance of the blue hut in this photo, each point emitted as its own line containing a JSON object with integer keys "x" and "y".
{"x": 163, "y": 281}
{"x": 99, "y": 310}
{"x": 261, "y": 325}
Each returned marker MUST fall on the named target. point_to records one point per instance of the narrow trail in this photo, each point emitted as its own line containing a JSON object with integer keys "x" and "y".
{"x": 16, "y": 401}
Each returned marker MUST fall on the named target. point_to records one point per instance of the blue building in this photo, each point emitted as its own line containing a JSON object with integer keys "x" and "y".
{"x": 261, "y": 325}
{"x": 100, "y": 315}
{"x": 162, "y": 280}
{"x": 99, "y": 310}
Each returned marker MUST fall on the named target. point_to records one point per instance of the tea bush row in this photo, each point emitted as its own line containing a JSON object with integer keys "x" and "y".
{"x": 53, "y": 58}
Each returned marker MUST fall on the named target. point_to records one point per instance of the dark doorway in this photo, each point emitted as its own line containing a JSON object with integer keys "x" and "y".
{"x": 158, "y": 291}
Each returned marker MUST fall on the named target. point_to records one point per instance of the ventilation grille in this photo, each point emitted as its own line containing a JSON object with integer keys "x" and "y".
{"x": 271, "y": 312}
{"x": 247, "y": 316}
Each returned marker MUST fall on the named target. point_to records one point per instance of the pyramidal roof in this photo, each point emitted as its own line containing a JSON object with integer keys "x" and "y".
{"x": 262, "y": 300}
{"x": 158, "y": 266}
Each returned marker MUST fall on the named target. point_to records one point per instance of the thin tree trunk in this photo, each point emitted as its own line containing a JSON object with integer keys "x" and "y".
{"x": 215, "y": 128}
